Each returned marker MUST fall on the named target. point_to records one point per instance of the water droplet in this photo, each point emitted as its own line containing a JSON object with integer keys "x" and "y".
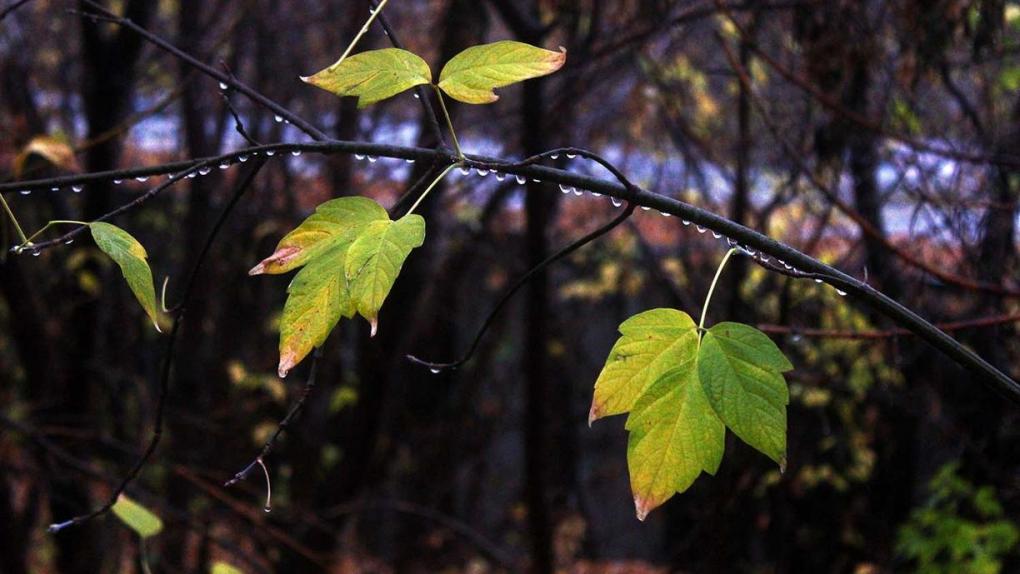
{"x": 54, "y": 189}
{"x": 701, "y": 229}
{"x": 749, "y": 251}
{"x": 685, "y": 222}
{"x": 223, "y": 86}
{"x": 278, "y": 118}
{"x": 204, "y": 170}
{"x": 242, "y": 158}
{"x": 417, "y": 97}
{"x": 25, "y": 192}
{"x": 716, "y": 234}
{"x": 596, "y": 194}
{"x": 564, "y": 188}
{"x": 295, "y": 153}
{"x": 359, "y": 157}
{"x": 578, "y": 192}
{"x": 500, "y": 176}
{"x": 409, "y": 160}
{"x": 372, "y": 159}
{"x": 645, "y": 208}
{"x": 571, "y": 155}
{"x": 192, "y": 175}
{"x": 840, "y": 292}
{"x": 77, "y": 188}
{"x": 36, "y": 253}
{"x": 483, "y": 172}
{"x": 764, "y": 258}
{"x": 616, "y": 202}
{"x": 787, "y": 265}
{"x": 271, "y": 152}
{"x": 435, "y": 371}
{"x": 69, "y": 241}
{"x": 536, "y": 180}
{"x": 118, "y": 181}
{"x": 522, "y": 180}
{"x": 731, "y": 242}
{"x": 464, "y": 170}
{"x": 267, "y": 509}
{"x": 554, "y": 156}
{"x": 224, "y": 165}
{"x": 664, "y": 214}
{"x": 818, "y": 280}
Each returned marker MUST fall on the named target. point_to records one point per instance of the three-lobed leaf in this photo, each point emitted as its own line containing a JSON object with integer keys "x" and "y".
{"x": 375, "y": 259}
{"x": 682, "y": 392}
{"x": 472, "y": 75}
{"x": 350, "y": 254}
{"x": 741, "y": 370}
{"x": 373, "y": 76}
{"x": 136, "y": 517}
{"x": 131, "y": 257}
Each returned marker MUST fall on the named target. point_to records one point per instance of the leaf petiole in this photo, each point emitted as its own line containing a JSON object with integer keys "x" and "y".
{"x": 449, "y": 122}
{"x": 421, "y": 197}
{"x": 28, "y": 240}
{"x": 364, "y": 29}
{"x": 711, "y": 289}
{"x": 14, "y": 220}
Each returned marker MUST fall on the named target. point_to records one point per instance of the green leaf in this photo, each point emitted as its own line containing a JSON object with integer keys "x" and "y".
{"x": 375, "y": 259}
{"x": 334, "y": 222}
{"x": 674, "y": 436}
{"x": 224, "y": 568}
{"x": 374, "y": 75}
{"x": 129, "y": 254}
{"x": 137, "y": 517}
{"x": 472, "y": 75}
{"x": 652, "y": 343}
{"x": 318, "y": 297}
{"x": 741, "y": 372}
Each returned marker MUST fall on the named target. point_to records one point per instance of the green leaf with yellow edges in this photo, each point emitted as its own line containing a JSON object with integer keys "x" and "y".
{"x": 741, "y": 370}
{"x": 375, "y": 260}
{"x": 472, "y": 75}
{"x": 373, "y": 76}
{"x": 131, "y": 257}
{"x": 674, "y": 436}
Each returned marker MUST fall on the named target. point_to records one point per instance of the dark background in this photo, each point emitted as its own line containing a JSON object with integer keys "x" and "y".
{"x": 492, "y": 467}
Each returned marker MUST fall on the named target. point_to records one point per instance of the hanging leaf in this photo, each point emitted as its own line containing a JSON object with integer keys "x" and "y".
{"x": 653, "y": 342}
{"x": 741, "y": 371}
{"x": 472, "y": 75}
{"x": 375, "y": 259}
{"x": 374, "y": 75}
{"x": 51, "y": 148}
{"x": 674, "y": 435}
{"x": 137, "y": 517}
{"x": 130, "y": 256}
{"x": 334, "y": 222}
{"x": 682, "y": 393}
{"x": 330, "y": 286}
{"x": 318, "y": 297}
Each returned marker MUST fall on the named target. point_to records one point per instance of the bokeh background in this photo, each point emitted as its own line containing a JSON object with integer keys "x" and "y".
{"x": 880, "y": 136}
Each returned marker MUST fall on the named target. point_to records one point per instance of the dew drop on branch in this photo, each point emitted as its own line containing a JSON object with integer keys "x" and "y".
{"x": 271, "y": 152}
{"x": 296, "y": 153}
{"x": 522, "y": 180}
{"x": 372, "y": 159}
{"x": 554, "y": 156}
{"x": 571, "y": 155}
{"x": 204, "y": 170}
{"x": 616, "y": 202}
{"x": 483, "y": 172}
{"x": 224, "y": 165}
{"x": 77, "y": 188}
{"x": 278, "y": 119}
{"x": 223, "y": 86}
{"x": 25, "y": 192}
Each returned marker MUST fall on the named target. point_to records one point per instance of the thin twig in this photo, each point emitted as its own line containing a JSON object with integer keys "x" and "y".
{"x": 168, "y": 358}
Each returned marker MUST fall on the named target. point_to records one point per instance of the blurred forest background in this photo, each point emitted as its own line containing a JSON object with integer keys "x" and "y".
{"x": 879, "y": 136}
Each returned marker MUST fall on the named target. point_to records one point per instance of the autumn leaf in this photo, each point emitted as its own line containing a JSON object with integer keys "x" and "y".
{"x": 472, "y": 75}
{"x": 131, "y": 257}
{"x": 137, "y": 517}
{"x": 373, "y": 76}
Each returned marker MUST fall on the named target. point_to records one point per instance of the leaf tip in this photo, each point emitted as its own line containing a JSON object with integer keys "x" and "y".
{"x": 374, "y": 322}
{"x": 258, "y": 269}
{"x": 594, "y": 413}
{"x": 782, "y": 464}
{"x": 287, "y": 362}
{"x": 642, "y": 507}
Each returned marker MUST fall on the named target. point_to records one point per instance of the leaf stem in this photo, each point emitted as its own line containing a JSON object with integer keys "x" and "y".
{"x": 362, "y": 32}
{"x": 28, "y": 240}
{"x": 431, "y": 185}
{"x": 711, "y": 289}
{"x": 14, "y": 220}
{"x": 449, "y": 122}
